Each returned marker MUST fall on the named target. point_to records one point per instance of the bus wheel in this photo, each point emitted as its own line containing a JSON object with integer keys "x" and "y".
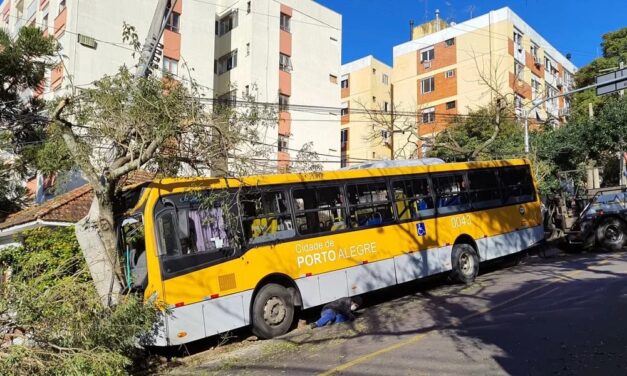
{"x": 465, "y": 263}
{"x": 611, "y": 234}
{"x": 273, "y": 311}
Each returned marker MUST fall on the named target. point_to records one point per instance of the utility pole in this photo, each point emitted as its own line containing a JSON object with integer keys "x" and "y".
{"x": 392, "y": 130}
{"x": 159, "y": 21}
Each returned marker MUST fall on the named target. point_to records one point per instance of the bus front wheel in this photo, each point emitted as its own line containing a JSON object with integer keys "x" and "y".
{"x": 273, "y": 311}
{"x": 465, "y": 263}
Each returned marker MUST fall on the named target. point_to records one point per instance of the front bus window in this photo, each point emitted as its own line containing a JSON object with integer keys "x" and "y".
{"x": 196, "y": 230}
{"x": 134, "y": 252}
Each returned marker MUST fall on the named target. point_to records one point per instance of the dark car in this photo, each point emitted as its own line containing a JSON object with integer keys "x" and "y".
{"x": 603, "y": 222}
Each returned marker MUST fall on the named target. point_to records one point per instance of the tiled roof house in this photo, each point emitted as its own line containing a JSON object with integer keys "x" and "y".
{"x": 63, "y": 210}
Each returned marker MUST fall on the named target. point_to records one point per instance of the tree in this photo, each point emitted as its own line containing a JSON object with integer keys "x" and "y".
{"x": 586, "y": 141}
{"x": 121, "y": 125}
{"x": 473, "y": 137}
{"x": 23, "y": 63}
{"x": 52, "y": 317}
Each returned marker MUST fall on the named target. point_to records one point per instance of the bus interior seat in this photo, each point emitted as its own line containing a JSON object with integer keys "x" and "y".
{"x": 262, "y": 226}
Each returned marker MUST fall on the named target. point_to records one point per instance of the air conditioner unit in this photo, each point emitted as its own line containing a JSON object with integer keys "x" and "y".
{"x": 87, "y": 41}
{"x": 426, "y": 64}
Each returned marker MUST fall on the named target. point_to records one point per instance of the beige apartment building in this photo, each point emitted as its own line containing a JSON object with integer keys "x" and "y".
{"x": 260, "y": 47}
{"x": 366, "y": 101}
{"x": 442, "y": 71}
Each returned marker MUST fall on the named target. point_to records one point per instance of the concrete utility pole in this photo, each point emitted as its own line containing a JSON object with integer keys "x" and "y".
{"x": 392, "y": 130}
{"x": 536, "y": 105}
{"x": 159, "y": 21}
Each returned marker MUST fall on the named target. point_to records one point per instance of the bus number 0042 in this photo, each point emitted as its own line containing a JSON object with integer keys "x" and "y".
{"x": 460, "y": 221}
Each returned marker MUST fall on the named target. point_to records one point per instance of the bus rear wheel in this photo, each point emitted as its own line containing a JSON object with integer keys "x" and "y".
{"x": 465, "y": 263}
{"x": 273, "y": 311}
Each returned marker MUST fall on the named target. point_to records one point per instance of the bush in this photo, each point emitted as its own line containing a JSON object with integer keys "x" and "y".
{"x": 51, "y": 310}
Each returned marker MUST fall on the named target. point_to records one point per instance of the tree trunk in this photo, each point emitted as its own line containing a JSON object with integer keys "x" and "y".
{"x": 97, "y": 237}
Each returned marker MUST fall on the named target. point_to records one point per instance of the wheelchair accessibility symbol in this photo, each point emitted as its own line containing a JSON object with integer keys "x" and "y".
{"x": 422, "y": 230}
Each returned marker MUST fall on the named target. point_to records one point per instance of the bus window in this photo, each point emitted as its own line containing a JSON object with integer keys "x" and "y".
{"x": 517, "y": 184}
{"x": 451, "y": 193}
{"x": 265, "y": 216}
{"x": 319, "y": 209}
{"x": 168, "y": 237}
{"x": 413, "y": 199}
{"x": 484, "y": 188}
{"x": 193, "y": 235}
{"x": 370, "y": 204}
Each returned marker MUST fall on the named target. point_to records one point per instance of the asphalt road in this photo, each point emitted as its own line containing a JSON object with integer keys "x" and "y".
{"x": 562, "y": 315}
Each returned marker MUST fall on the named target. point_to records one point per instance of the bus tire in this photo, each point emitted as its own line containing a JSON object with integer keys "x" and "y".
{"x": 612, "y": 234}
{"x": 273, "y": 311}
{"x": 465, "y": 263}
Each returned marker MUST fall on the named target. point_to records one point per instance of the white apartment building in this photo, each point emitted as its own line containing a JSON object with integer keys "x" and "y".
{"x": 286, "y": 52}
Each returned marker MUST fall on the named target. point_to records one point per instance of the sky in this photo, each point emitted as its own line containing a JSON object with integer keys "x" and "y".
{"x": 374, "y": 27}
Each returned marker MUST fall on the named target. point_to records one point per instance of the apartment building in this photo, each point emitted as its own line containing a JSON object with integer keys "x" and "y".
{"x": 285, "y": 52}
{"x": 445, "y": 68}
{"x": 366, "y": 103}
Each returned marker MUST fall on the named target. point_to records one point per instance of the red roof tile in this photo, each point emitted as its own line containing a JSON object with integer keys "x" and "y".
{"x": 69, "y": 207}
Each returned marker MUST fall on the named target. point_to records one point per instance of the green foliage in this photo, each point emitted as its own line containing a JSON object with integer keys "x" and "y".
{"x": 51, "y": 298}
{"x": 584, "y": 141}
{"x": 23, "y": 63}
{"x": 471, "y": 131}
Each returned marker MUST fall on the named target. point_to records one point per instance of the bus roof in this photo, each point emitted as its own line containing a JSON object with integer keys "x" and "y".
{"x": 177, "y": 184}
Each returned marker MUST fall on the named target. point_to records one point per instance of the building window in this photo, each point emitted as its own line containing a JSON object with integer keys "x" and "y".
{"x": 344, "y": 83}
{"x": 449, "y": 42}
{"x": 519, "y": 70}
{"x": 385, "y": 79}
{"x": 173, "y": 22}
{"x": 286, "y": 22}
{"x": 450, "y": 105}
{"x": 227, "y": 23}
{"x": 518, "y": 102}
{"x": 284, "y": 102}
{"x": 449, "y": 73}
{"x": 534, "y": 51}
{"x": 535, "y": 86}
{"x": 427, "y": 55}
{"x": 247, "y": 49}
{"x": 344, "y": 138}
{"x": 386, "y": 106}
{"x": 61, "y": 6}
{"x": 344, "y": 109}
{"x": 170, "y": 66}
{"x": 333, "y": 79}
{"x": 285, "y": 63}
{"x": 248, "y": 8}
{"x": 518, "y": 40}
{"x": 283, "y": 143}
{"x": 428, "y": 85}
{"x": 428, "y": 115}
{"x": 227, "y": 62}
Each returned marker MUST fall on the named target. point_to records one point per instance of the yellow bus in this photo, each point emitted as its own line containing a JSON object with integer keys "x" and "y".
{"x": 227, "y": 253}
